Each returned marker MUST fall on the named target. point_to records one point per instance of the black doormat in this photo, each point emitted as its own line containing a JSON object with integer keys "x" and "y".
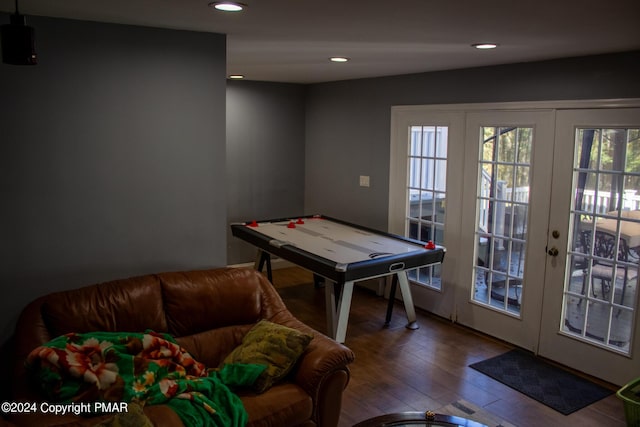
{"x": 548, "y": 384}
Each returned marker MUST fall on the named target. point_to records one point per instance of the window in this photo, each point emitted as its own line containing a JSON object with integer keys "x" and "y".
{"x": 426, "y": 193}
{"x": 502, "y": 205}
{"x": 602, "y": 270}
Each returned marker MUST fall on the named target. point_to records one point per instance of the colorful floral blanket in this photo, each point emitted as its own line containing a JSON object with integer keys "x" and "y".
{"x": 148, "y": 368}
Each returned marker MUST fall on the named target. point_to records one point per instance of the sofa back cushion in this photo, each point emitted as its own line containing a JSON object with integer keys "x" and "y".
{"x": 197, "y": 301}
{"x": 128, "y": 305}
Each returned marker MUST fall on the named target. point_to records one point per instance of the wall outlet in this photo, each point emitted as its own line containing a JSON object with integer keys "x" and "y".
{"x": 364, "y": 180}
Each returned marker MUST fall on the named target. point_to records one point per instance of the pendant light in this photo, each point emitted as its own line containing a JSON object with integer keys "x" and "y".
{"x": 18, "y": 41}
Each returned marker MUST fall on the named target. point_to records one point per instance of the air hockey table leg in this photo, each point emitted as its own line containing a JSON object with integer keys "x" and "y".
{"x": 392, "y": 300}
{"x": 261, "y": 259}
{"x": 330, "y": 308}
{"x": 338, "y": 317}
{"x": 403, "y": 281}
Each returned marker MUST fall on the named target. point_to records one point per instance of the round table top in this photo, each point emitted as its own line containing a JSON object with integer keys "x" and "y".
{"x": 418, "y": 419}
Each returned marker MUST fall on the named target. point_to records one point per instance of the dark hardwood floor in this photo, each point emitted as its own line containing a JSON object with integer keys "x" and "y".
{"x": 397, "y": 369}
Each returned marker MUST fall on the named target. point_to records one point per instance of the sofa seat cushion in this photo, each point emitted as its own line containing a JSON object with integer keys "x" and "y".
{"x": 283, "y": 405}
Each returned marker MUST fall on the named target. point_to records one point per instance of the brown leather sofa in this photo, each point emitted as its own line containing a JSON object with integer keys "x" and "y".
{"x": 208, "y": 312}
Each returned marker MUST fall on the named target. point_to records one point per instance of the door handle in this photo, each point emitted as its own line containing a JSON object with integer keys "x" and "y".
{"x": 553, "y": 251}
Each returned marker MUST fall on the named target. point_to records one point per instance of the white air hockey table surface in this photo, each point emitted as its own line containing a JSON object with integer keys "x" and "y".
{"x": 342, "y": 252}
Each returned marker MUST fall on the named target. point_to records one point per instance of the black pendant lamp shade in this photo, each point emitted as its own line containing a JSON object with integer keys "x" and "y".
{"x": 18, "y": 41}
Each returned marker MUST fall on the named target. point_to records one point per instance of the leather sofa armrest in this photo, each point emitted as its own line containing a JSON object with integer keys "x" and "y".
{"x": 322, "y": 371}
{"x": 322, "y": 357}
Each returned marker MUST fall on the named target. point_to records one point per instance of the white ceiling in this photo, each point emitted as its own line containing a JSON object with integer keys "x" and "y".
{"x": 291, "y": 40}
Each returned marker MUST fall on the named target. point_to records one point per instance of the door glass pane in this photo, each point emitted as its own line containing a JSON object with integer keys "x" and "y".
{"x": 601, "y": 283}
{"x": 426, "y": 193}
{"x": 502, "y": 205}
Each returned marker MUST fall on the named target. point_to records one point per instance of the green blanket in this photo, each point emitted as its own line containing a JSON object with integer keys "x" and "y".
{"x": 148, "y": 368}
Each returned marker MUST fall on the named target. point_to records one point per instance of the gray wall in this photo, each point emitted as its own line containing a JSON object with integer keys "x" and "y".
{"x": 112, "y": 158}
{"x": 265, "y": 155}
{"x": 348, "y": 122}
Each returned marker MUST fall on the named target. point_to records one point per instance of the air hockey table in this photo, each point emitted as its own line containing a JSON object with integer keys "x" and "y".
{"x": 343, "y": 253}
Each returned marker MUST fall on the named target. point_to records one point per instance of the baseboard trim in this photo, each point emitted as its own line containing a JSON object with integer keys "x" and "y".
{"x": 276, "y": 263}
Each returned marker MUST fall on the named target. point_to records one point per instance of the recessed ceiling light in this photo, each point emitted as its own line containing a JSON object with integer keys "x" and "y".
{"x": 227, "y": 6}
{"x": 485, "y": 45}
{"x": 236, "y": 76}
{"x": 339, "y": 59}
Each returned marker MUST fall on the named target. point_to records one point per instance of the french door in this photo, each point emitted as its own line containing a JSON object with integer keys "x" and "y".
{"x": 529, "y": 190}
{"x": 590, "y": 317}
{"x": 505, "y": 211}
